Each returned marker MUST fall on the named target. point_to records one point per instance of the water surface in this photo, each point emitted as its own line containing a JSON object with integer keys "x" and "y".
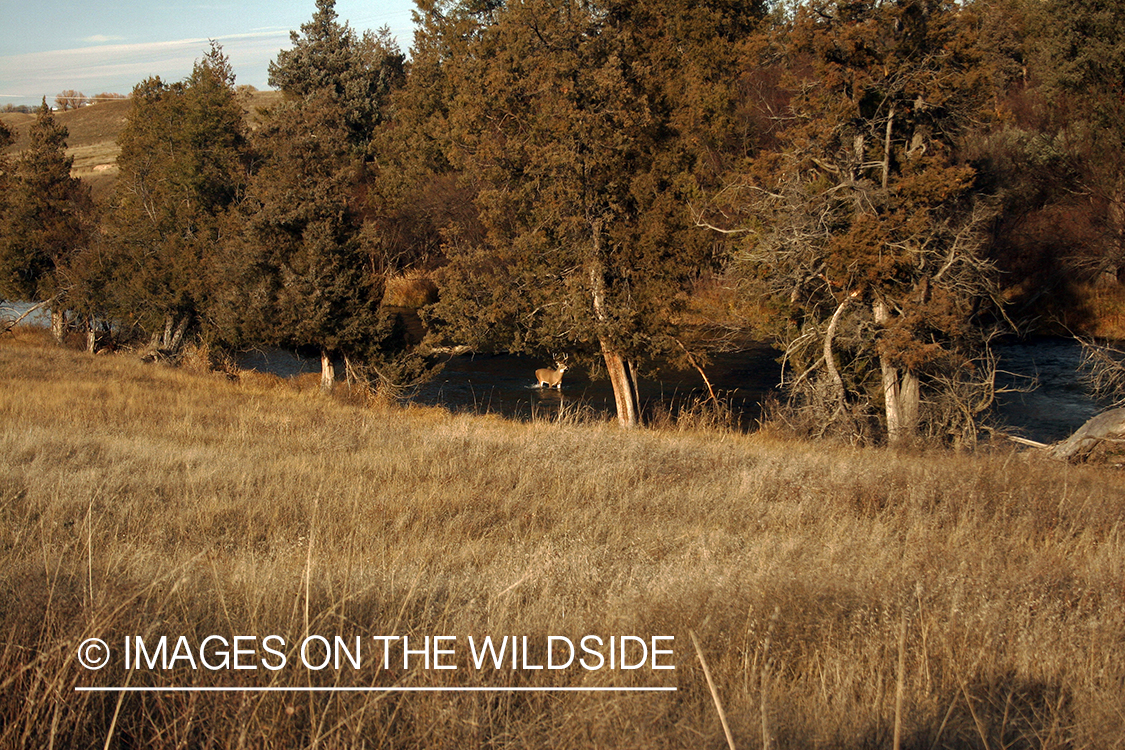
{"x": 505, "y": 384}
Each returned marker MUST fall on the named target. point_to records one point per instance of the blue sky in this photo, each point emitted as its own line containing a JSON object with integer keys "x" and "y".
{"x": 47, "y": 46}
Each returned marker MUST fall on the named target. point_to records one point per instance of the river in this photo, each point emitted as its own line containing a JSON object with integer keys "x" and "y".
{"x": 505, "y": 384}
{"x": 1057, "y": 406}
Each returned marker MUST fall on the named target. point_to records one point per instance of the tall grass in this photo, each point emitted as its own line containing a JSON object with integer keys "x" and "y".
{"x": 141, "y": 500}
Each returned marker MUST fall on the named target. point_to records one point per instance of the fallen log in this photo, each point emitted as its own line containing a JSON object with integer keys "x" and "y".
{"x": 1028, "y": 443}
{"x": 1100, "y": 441}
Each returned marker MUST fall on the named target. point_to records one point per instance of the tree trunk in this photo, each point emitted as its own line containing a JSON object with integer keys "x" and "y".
{"x": 830, "y": 357}
{"x": 909, "y": 404}
{"x": 623, "y": 378}
{"x": 174, "y": 331}
{"x": 621, "y": 373}
{"x": 327, "y": 371}
{"x": 166, "y": 339}
{"x": 91, "y": 334}
{"x": 350, "y": 376}
{"x": 901, "y": 392}
{"x": 178, "y": 334}
{"x": 1112, "y": 272}
{"x": 887, "y": 147}
{"x": 58, "y": 324}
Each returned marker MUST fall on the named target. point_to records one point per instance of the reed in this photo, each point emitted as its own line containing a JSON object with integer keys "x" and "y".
{"x": 136, "y": 499}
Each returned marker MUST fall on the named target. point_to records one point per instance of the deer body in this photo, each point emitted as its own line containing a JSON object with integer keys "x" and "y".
{"x": 551, "y": 378}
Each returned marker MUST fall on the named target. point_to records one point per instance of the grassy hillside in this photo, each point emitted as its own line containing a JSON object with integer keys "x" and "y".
{"x": 93, "y": 132}
{"x": 92, "y": 140}
{"x": 978, "y": 601}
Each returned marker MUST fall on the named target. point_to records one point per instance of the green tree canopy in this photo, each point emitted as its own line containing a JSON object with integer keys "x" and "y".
{"x": 1083, "y": 62}
{"x": 867, "y": 219}
{"x": 7, "y": 138}
{"x": 300, "y": 249}
{"x": 303, "y": 252}
{"x": 585, "y": 129}
{"x": 183, "y": 164}
{"x": 47, "y": 219}
{"x": 328, "y": 59}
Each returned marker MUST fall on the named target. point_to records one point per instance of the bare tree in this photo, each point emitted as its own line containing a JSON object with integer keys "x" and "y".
{"x": 70, "y": 99}
{"x": 1105, "y": 370}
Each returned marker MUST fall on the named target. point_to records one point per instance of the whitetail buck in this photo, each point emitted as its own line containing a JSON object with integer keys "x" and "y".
{"x": 551, "y": 378}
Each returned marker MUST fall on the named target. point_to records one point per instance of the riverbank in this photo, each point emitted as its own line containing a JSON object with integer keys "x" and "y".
{"x": 1093, "y": 311}
{"x": 144, "y": 501}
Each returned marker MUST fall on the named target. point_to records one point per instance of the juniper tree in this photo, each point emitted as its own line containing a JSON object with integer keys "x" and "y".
{"x": 182, "y": 165}
{"x": 1056, "y": 154}
{"x": 1082, "y": 59}
{"x": 7, "y": 138}
{"x": 356, "y": 72}
{"x": 308, "y": 284}
{"x": 303, "y": 249}
{"x": 584, "y": 129}
{"x": 865, "y": 224}
{"x": 47, "y": 219}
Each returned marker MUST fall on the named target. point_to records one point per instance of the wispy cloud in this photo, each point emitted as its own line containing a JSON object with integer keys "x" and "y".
{"x": 102, "y": 39}
{"x": 118, "y": 67}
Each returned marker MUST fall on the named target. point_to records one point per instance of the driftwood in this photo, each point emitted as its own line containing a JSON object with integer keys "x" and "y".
{"x": 1025, "y": 441}
{"x": 8, "y": 324}
{"x": 1101, "y": 441}
{"x": 455, "y": 351}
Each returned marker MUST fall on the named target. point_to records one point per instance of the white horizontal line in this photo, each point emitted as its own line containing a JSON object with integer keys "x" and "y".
{"x": 312, "y": 689}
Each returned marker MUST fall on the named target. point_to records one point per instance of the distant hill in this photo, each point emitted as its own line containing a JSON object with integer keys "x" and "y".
{"x": 93, "y": 132}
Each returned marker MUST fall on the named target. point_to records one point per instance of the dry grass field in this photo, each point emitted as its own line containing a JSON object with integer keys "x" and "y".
{"x": 840, "y": 597}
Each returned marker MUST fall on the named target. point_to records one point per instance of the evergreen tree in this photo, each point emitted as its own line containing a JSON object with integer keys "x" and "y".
{"x": 301, "y": 245}
{"x": 182, "y": 165}
{"x": 328, "y": 59}
{"x": 585, "y": 129}
{"x": 866, "y": 227}
{"x": 47, "y": 219}
{"x": 7, "y": 138}
{"x": 303, "y": 248}
{"x": 1083, "y": 64}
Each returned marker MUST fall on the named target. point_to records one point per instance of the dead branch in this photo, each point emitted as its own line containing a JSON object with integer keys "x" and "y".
{"x": 9, "y": 325}
{"x": 1105, "y": 370}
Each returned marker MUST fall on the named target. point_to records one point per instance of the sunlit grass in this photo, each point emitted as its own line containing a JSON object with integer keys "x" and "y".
{"x": 139, "y": 499}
